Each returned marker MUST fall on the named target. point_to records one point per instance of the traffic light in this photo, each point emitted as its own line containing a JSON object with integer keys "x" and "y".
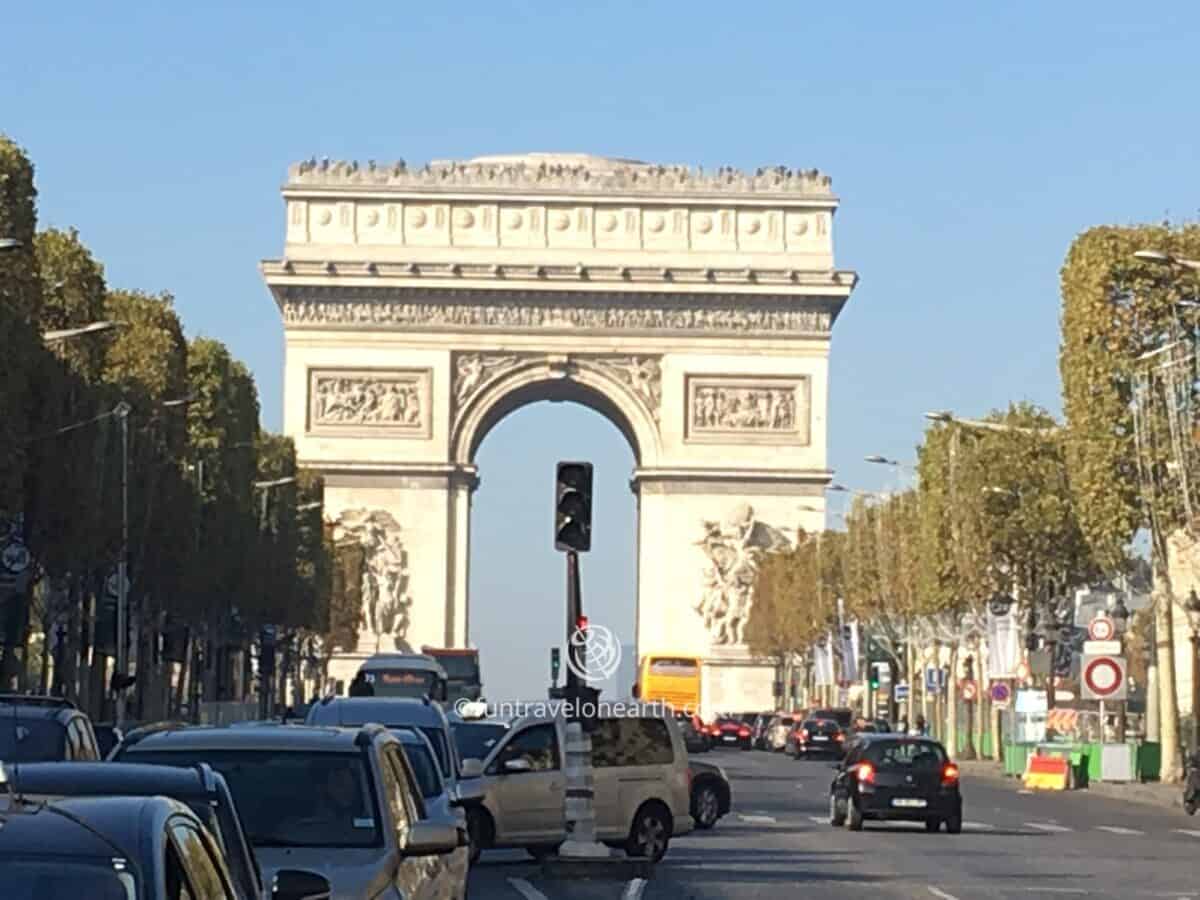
{"x": 573, "y": 507}
{"x": 555, "y": 663}
{"x": 874, "y": 676}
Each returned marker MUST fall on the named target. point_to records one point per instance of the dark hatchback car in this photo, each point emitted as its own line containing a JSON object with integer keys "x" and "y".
{"x": 814, "y": 737}
{"x": 731, "y": 732}
{"x": 200, "y": 788}
{"x": 44, "y": 729}
{"x": 894, "y": 777}
{"x": 109, "y": 848}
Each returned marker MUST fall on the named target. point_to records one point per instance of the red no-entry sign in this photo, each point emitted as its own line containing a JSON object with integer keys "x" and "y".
{"x": 1102, "y": 628}
{"x": 1103, "y": 678}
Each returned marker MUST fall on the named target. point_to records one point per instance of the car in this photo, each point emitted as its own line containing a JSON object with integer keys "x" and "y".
{"x": 475, "y": 738}
{"x": 843, "y": 715}
{"x": 640, "y": 775}
{"x": 333, "y": 801}
{"x": 893, "y": 777}
{"x": 758, "y": 730}
{"x": 731, "y": 732}
{"x": 777, "y": 732}
{"x": 711, "y": 793}
{"x": 119, "y": 848}
{"x": 393, "y": 712}
{"x": 695, "y": 738}
{"x": 816, "y": 736}
{"x": 438, "y": 805}
{"x": 44, "y": 729}
{"x": 203, "y": 790}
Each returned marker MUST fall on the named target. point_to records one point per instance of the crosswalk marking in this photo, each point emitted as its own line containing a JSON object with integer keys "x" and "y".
{"x": 1117, "y": 829}
{"x": 760, "y": 820}
{"x": 1188, "y": 831}
{"x": 1046, "y": 826}
{"x": 978, "y": 826}
{"x": 820, "y": 820}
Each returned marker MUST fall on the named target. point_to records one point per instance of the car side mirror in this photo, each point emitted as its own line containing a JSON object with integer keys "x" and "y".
{"x": 513, "y": 766}
{"x": 471, "y": 768}
{"x": 296, "y": 884}
{"x": 431, "y": 839}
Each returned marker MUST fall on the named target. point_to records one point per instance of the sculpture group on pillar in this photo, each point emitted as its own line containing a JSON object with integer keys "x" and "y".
{"x": 733, "y": 547}
{"x": 386, "y": 603}
{"x": 363, "y": 400}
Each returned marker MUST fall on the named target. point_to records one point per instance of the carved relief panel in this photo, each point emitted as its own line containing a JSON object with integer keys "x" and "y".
{"x": 369, "y": 402}
{"x": 752, "y": 408}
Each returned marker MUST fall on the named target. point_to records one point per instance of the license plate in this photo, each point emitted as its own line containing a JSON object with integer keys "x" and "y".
{"x": 820, "y": 737}
{"x": 730, "y": 737}
{"x": 908, "y": 803}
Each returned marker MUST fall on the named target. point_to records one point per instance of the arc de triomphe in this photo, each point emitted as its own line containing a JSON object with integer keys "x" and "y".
{"x": 692, "y": 309}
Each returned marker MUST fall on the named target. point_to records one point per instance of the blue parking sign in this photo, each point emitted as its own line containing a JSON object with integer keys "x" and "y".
{"x": 934, "y": 680}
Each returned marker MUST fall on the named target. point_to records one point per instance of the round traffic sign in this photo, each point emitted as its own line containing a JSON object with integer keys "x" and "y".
{"x": 1000, "y": 692}
{"x": 969, "y": 690}
{"x": 1103, "y": 676}
{"x": 15, "y": 557}
{"x": 1102, "y": 628}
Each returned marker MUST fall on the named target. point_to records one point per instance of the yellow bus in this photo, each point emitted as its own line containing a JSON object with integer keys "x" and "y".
{"x": 674, "y": 680}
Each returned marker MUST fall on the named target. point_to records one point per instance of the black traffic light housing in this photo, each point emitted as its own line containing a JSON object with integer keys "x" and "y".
{"x": 573, "y": 507}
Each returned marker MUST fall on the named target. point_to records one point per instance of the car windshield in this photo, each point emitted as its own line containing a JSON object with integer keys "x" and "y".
{"x": 842, "y": 716}
{"x": 916, "y": 755}
{"x": 460, "y": 666}
{"x": 475, "y": 740}
{"x": 53, "y": 878}
{"x": 335, "y": 808}
{"x": 429, "y": 778}
{"x": 31, "y": 740}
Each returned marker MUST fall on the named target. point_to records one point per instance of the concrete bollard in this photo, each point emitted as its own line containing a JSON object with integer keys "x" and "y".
{"x": 579, "y": 810}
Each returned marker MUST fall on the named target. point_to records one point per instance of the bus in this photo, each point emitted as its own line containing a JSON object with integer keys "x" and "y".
{"x": 403, "y": 675}
{"x": 673, "y": 680}
{"x": 462, "y": 670}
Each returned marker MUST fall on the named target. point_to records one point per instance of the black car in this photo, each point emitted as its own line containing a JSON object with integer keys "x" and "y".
{"x": 712, "y": 797}
{"x": 44, "y": 729}
{"x": 109, "y": 848}
{"x": 731, "y": 732}
{"x": 202, "y": 789}
{"x": 695, "y": 738}
{"x": 814, "y": 737}
{"x": 895, "y": 777}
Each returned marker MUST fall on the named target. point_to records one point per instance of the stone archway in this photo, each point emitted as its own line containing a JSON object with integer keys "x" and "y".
{"x": 694, "y": 311}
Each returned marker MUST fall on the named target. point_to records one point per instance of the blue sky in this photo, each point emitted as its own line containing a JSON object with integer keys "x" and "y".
{"x": 968, "y": 147}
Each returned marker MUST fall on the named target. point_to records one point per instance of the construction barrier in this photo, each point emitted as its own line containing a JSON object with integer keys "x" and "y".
{"x": 1063, "y": 721}
{"x": 1047, "y": 773}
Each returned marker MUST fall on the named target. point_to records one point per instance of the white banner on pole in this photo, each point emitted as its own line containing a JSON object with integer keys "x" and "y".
{"x": 850, "y": 652}
{"x": 823, "y": 663}
{"x": 1004, "y": 644}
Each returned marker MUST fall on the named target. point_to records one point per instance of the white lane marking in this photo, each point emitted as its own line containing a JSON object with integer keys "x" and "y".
{"x": 527, "y": 890}
{"x": 757, "y": 820}
{"x": 1025, "y": 791}
{"x": 978, "y": 826}
{"x": 633, "y": 890}
{"x": 1056, "y": 890}
{"x": 820, "y": 820}
{"x": 1117, "y": 829}
{"x": 1046, "y": 826}
{"x": 940, "y": 894}
{"x": 1187, "y": 831}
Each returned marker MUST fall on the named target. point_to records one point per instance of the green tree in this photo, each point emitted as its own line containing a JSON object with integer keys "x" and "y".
{"x": 1115, "y": 309}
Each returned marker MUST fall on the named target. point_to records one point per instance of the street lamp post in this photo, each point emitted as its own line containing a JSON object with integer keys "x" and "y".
{"x": 1120, "y": 616}
{"x": 122, "y": 413}
{"x": 65, "y": 334}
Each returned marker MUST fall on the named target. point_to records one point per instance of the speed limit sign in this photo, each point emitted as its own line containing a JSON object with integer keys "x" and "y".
{"x": 1102, "y": 628}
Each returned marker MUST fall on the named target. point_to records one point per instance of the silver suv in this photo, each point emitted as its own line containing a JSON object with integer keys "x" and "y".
{"x": 334, "y": 801}
{"x": 640, "y": 767}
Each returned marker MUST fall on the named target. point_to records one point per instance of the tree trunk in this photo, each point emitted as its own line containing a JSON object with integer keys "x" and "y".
{"x": 1168, "y": 706}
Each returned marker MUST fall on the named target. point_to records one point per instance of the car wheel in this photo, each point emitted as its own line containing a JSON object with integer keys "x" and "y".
{"x": 650, "y": 833}
{"x": 932, "y": 825}
{"x": 954, "y": 824}
{"x": 480, "y": 831}
{"x": 1190, "y": 805}
{"x": 706, "y": 806}
{"x": 837, "y": 811}
{"x": 854, "y": 816}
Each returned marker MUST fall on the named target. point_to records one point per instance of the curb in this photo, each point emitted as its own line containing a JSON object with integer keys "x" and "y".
{"x": 1150, "y": 794}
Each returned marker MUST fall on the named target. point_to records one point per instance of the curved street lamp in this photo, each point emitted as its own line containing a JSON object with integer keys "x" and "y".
{"x": 9, "y": 243}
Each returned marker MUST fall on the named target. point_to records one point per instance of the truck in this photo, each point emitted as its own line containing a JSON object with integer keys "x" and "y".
{"x": 464, "y": 680}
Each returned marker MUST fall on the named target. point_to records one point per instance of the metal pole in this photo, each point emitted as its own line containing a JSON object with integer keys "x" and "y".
{"x": 1195, "y": 691}
{"x": 122, "y": 411}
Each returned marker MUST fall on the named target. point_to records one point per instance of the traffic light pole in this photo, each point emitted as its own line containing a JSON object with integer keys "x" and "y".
{"x": 579, "y": 809}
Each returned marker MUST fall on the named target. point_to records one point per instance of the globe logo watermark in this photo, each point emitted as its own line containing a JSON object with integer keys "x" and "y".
{"x": 593, "y": 653}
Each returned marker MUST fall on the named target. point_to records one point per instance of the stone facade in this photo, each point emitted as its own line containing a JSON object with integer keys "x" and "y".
{"x": 694, "y": 310}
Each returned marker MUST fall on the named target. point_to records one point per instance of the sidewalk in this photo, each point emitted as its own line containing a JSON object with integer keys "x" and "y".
{"x": 1152, "y": 793}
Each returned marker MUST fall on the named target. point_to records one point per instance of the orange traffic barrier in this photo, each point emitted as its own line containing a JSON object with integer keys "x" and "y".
{"x": 1062, "y": 720}
{"x": 1048, "y": 773}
